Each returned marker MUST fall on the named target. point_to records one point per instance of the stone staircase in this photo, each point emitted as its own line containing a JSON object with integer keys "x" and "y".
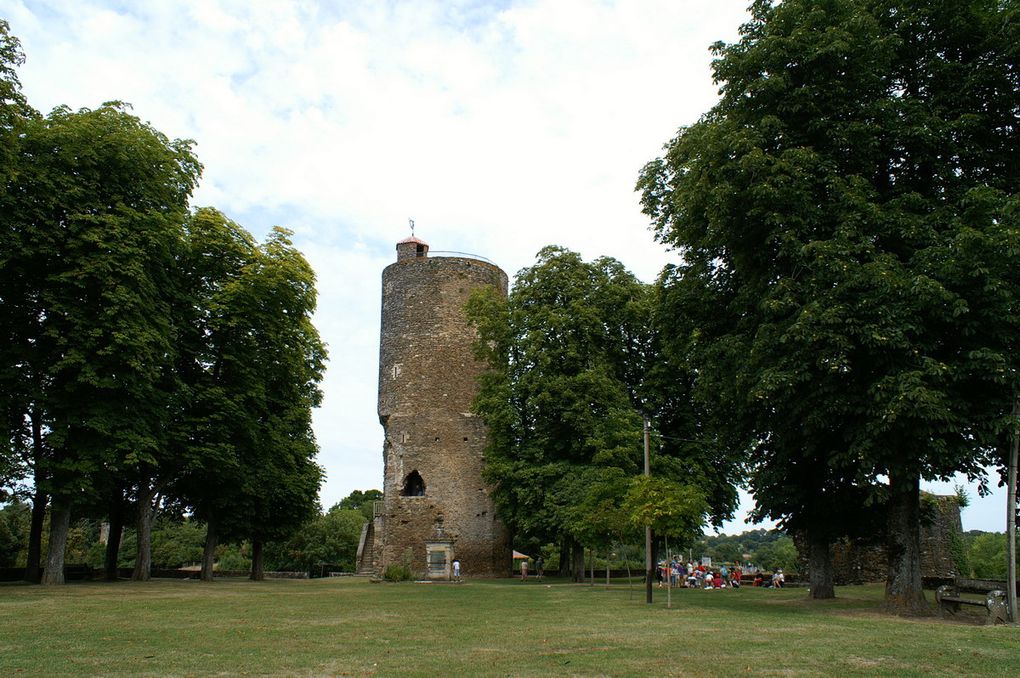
{"x": 366, "y": 549}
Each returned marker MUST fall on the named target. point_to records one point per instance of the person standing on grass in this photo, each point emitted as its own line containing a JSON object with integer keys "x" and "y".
{"x": 540, "y": 568}
{"x": 456, "y": 569}
{"x": 524, "y": 569}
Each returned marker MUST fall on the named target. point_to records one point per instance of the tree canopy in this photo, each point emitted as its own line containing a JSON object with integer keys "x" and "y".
{"x": 250, "y": 372}
{"x": 571, "y": 353}
{"x": 847, "y": 214}
{"x": 92, "y": 232}
{"x": 558, "y": 402}
{"x": 147, "y": 352}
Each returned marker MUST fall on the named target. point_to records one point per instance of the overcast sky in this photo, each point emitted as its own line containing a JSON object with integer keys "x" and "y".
{"x": 499, "y": 127}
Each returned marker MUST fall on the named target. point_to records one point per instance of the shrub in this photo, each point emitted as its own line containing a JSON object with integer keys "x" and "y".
{"x": 231, "y": 558}
{"x": 397, "y": 573}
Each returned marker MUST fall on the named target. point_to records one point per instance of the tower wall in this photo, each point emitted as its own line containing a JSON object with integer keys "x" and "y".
{"x": 428, "y": 379}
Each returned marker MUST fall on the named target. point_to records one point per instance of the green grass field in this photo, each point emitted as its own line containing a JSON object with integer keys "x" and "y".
{"x": 346, "y": 626}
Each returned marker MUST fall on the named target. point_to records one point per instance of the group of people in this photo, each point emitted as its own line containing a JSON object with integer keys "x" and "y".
{"x": 777, "y": 580}
{"x": 539, "y": 568}
{"x": 675, "y": 573}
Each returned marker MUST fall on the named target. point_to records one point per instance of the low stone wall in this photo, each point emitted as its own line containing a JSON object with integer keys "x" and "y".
{"x": 86, "y": 573}
{"x": 226, "y": 574}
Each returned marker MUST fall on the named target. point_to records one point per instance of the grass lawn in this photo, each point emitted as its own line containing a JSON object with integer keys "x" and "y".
{"x": 348, "y": 626}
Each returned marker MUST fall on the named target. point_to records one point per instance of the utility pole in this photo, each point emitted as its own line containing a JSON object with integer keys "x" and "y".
{"x": 1011, "y": 521}
{"x": 649, "y": 565}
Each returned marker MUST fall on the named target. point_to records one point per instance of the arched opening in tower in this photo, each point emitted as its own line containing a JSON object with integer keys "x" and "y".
{"x": 414, "y": 486}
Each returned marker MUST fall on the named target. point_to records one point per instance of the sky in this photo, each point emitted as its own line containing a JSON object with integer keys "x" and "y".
{"x": 498, "y": 127}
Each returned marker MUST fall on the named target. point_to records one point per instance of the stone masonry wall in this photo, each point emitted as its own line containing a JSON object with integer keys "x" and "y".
{"x": 428, "y": 379}
{"x": 855, "y": 562}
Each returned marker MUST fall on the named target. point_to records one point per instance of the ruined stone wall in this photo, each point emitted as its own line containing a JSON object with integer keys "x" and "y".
{"x": 941, "y": 537}
{"x": 428, "y": 379}
{"x": 855, "y": 562}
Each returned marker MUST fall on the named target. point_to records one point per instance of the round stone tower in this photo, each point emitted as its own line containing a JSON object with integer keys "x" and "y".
{"x": 436, "y": 506}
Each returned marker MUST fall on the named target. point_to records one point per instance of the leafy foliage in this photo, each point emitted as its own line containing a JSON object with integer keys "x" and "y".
{"x": 671, "y": 509}
{"x": 986, "y": 555}
{"x": 576, "y": 359}
{"x": 145, "y": 351}
{"x": 566, "y": 352}
{"x": 250, "y": 373}
{"x": 848, "y": 218}
{"x": 361, "y": 501}
{"x": 329, "y": 539}
{"x": 14, "y": 520}
{"x": 397, "y": 572}
{"x": 766, "y": 549}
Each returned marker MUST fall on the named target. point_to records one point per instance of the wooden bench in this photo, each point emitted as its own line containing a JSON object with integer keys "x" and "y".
{"x": 950, "y": 602}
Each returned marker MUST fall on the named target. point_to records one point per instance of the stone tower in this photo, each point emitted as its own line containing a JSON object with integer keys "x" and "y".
{"x": 436, "y": 506}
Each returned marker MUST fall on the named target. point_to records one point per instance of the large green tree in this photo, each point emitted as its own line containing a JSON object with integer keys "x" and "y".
{"x": 290, "y": 357}
{"x": 14, "y": 108}
{"x": 215, "y": 374}
{"x": 848, "y": 217}
{"x": 330, "y": 539}
{"x": 92, "y": 222}
{"x": 252, "y": 374}
{"x": 571, "y": 352}
{"x": 21, "y": 374}
{"x": 557, "y": 400}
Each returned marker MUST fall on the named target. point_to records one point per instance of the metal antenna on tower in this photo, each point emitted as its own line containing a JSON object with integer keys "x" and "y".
{"x": 411, "y": 221}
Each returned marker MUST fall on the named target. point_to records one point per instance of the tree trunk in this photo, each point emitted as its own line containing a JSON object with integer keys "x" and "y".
{"x": 903, "y": 589}
{"x": 1014, "y": 451}
{"x": 650, "y": 564}
{"x": 60, "y": 523}
{"x": 143, "y": 526}
{"x": 209, "y": 554}
{"x": 820, "y": 564}
{"x": 565, "y": 562}
{"x": 669, "y": 574}
{"x": 33, "y": 564}
{"x": 577, "y": 556}
{"x": 258, "y": 572}
{"x": 113, "y": 538}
